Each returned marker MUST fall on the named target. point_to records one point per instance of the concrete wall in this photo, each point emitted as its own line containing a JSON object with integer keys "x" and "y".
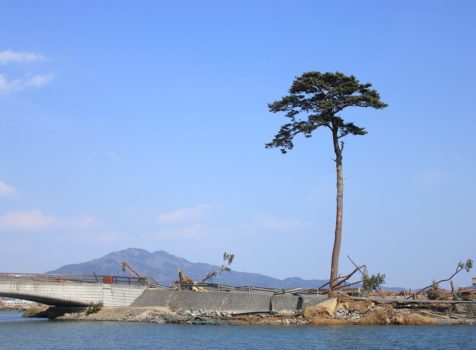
{"x": 466, "y": 308}
{"x": 225, "y": 301}
{"x": 72, "y": 293}
{"x": 83, "y": 294}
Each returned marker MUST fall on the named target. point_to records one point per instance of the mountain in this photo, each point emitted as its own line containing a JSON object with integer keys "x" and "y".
{"x": 163, "y": 267}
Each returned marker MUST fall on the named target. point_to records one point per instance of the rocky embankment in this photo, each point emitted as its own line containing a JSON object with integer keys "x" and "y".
{"x": 28, "y": 309}
{"x": 330, "y": 312}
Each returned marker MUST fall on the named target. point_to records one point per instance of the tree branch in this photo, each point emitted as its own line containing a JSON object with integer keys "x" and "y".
{"x": 459, "y": 269}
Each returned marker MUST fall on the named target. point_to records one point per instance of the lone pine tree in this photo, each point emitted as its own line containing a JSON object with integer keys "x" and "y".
{"x": 316, "y": 100}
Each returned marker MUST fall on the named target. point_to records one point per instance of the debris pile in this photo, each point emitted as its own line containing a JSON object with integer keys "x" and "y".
{"x": 368, "y": 312}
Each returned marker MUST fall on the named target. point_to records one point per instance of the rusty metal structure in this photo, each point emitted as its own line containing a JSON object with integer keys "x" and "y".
{"x": 146, "y": 280}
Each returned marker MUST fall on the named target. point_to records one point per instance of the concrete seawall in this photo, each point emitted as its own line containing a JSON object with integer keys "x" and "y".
{"x": 74, "y": 293}
{"x": 235, "y": 302}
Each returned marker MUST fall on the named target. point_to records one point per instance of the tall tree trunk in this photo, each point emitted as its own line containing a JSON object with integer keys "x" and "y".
{"x": 339, "y": 209}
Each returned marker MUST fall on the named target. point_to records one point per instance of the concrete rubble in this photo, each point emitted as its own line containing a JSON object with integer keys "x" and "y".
{"x": 328, "y": 312}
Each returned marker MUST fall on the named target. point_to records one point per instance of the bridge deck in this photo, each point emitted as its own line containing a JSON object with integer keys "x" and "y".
{"x": 72, "y": 290}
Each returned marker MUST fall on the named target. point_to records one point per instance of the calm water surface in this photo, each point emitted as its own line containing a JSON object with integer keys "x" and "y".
{"x": 19, "y": 333}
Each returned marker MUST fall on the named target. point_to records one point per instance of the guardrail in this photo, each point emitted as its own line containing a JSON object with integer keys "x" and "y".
{"x": 73, "y": 278}
{"x": 249, "y": 289}
{"x": 126, "y": 280}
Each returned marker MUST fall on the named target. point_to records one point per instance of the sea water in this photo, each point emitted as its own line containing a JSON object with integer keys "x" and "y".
{"x": 20, "y": 333}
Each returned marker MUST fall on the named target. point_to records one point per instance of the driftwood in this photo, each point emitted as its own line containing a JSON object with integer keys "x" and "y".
{"x": 184, "y": 281}
{"x": 339, "y": 284}
{"x": 362, "y": 269}
{"x": 461, "y": 266}
{"x": 340, "y": 281}
{"x": 468, "y": 294}
{"x": 436, "y": 293}
{"x": 227, "y": 259}
{"x": 368, "y": 282}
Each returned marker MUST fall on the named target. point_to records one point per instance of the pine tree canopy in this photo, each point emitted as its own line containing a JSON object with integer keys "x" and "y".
{"x": 315, "y": 99}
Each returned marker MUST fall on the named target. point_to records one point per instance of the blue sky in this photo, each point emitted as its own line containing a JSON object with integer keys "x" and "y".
{"x": 143, "y": 124}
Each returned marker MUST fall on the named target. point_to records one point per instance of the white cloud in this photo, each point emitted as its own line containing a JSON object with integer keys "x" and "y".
{"x": 30, "y": 220}
{"x": 6, "y": 190}
{"x": 196, "y": 213}
{"x": 35, "y": 81}
{"x": 9, "y": 56}
{"x": 283, "y": 224}
{"x": 35, "y": 220}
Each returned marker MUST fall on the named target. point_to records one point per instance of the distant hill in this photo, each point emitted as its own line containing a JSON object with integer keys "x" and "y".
{"x": 163, "y": 267}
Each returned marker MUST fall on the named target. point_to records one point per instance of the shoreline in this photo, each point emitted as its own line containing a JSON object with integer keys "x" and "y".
{"x": 341, "y": 311}
{"x": 331, "y": 312}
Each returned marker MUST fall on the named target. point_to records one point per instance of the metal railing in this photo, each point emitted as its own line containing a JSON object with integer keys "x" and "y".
{"x": 129, "y": 280}
{"x": 249, "y": 289}
{"x": 71, "y": 278}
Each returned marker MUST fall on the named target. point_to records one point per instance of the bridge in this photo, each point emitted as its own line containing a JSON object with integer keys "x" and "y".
{"x": 72, "y": 290}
